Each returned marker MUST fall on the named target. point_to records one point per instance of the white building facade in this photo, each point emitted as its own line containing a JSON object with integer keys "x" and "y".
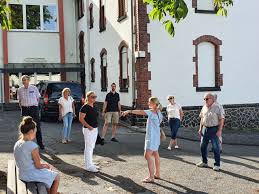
{"x": 118, "y": 44}
{"x": 42, "y": 36}
{"x": 209, "y": 53}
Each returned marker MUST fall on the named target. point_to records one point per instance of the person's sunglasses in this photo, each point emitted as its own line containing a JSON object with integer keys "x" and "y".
{"x": 93, "y": 97}
{"x": 170, "y": 98}
{"x": 206, "y": 99}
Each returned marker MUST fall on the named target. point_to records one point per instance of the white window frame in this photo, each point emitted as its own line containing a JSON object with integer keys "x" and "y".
{"x": 41, "y": 18}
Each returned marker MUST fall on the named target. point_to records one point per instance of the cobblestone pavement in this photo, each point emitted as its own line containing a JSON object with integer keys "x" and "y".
{"x": 123, "y": 166}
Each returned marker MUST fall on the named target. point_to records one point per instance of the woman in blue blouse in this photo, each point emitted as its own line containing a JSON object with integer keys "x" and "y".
{"x": 152, "y": 139}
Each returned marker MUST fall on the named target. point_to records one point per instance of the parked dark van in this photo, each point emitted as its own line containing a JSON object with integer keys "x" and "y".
{"x": 51, "y": 91}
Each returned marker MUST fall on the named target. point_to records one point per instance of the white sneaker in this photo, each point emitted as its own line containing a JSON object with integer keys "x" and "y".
{"x": 216, "y": 168}
{"x": 92, "y": 169}
{"x": 169, "y": 148}
{"x": 97, "y": 167}
{"x": 201, "y": 164}
{"x": 176, "y": 147}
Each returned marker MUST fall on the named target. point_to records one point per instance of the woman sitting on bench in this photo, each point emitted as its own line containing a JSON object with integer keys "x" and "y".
{"x": 27, "y": 158}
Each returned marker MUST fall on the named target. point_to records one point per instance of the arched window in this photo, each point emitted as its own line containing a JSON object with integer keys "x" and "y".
{"x": 104, "y": 78}
{"x": 92, "y": 68}
{"x": 80, "y": 8}
{"x": 102, "y": 24}
{"x": 91, "y": 21}
{"x": 123, "y": 61}
{"x": 122, "y": 10}
{"x": 207, "y": 59}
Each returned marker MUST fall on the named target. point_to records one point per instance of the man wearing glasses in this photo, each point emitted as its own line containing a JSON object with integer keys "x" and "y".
{"x": 211, "y": 124}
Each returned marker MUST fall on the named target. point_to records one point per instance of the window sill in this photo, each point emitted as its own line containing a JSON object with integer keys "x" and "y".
{"x": 124, "y": 90}
{"x": 37, "y": 31}
{"x": 206, "y": 11}
{"x": 207, "y": 89}
{"x": 122, "y": 18}
{"x": 104, "y": 90}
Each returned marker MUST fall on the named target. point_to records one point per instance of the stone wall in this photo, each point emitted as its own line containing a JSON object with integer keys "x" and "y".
{"x": 241, "y": 116}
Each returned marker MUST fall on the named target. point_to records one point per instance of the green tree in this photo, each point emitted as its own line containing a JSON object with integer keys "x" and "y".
{"x": 16, "y": 19}
{"x": 177, "y": 11}
{"x": 4, "y": 11}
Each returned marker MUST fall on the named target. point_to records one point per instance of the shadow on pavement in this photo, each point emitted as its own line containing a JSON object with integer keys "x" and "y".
{"x": 187, "y": 190}
{"x": 248, "y": 159}
{"x": 239, "y": 163}
{"x": 240, "y": 176}
{"x": 123, "y": 182}
{"x": 3, "y": 181}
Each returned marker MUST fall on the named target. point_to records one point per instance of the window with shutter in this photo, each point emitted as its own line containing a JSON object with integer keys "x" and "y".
{"x": 91, "y": 16}
{"x": 102, "y": 24}
{"x": 207, "y": 59}
{"x": 122, "y": 10}
{"x": 104, "y": 79}
{"x": 123, "y": 62}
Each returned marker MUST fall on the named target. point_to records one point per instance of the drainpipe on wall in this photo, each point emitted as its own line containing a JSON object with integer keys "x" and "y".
{"x": 133, "y": 119}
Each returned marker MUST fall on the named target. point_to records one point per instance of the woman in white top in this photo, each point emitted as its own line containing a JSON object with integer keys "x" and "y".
{"x": 66, "y": 113}
{"x": 175, "y": 115}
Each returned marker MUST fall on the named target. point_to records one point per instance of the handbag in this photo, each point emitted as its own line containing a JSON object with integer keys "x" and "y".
{"x": 162, "y": 133}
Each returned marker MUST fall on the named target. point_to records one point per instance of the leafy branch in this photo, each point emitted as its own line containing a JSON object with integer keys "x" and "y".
{"x": 4, "y": 12}
{"x": 177, "y": 10}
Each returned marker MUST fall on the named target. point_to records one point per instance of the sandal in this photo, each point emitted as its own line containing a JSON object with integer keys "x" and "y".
{"x": 157, "y": 177}
{"x": 148, "y": 180}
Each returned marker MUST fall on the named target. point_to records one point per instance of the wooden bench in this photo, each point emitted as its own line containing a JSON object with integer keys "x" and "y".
{"x": 16, "y": 186}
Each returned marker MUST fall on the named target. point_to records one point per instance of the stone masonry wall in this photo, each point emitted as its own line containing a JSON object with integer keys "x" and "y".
{"x": 242, "y": 116}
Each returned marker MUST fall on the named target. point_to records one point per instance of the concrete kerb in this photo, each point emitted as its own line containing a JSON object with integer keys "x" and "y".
{"x": 241, "y": 138}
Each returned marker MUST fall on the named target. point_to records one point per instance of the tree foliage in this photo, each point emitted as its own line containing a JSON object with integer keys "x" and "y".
{"x": 177, "y": 10}
{"x": 4, "y": 11}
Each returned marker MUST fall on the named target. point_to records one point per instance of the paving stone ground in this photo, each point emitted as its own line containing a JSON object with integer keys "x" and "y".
{"x": 123, "y": 166}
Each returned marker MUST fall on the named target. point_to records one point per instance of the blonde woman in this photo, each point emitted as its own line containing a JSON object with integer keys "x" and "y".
{"x": 88, "y": 116}
{"x": 152, "y": 139}
{"x": 175, "y": 115}
{"x": 66, "y": 113}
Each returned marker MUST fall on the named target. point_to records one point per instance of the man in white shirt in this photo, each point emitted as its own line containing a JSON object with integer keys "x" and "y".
{"x": 28, "y": 96}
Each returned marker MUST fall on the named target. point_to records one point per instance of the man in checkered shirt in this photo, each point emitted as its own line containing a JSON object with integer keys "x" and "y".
{"x": 28, "y": 96}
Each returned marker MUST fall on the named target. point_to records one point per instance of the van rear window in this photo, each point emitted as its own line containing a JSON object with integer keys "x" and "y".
{"x": 54, "y": 90}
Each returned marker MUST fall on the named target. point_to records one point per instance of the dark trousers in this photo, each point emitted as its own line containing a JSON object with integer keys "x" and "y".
{"x": 210, "y": 135}
{"x": 33, "y": 111}
{"x": 174, "y": 124}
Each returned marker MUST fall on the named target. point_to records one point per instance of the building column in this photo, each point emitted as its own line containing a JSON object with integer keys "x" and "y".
{"x": 61, "y": 36}
{"x": 143, "y": 75}
{"x": 6, "y": 75}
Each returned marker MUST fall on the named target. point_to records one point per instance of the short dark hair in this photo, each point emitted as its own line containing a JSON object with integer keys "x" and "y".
{"x": 113, "y": 84}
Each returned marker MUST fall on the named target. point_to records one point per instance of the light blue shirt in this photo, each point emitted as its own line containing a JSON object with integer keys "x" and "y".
{"x": 152, "y": 139}
{"x": 26, "y": 167}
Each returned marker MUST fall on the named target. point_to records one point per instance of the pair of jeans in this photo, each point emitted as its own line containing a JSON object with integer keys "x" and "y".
{"x": 174, "y": 124}
{"x": 90, "y": 137}
{"x": 209, "y": 134}
{"x": 33, "y": 111}
{"x": 67, "y": 123}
